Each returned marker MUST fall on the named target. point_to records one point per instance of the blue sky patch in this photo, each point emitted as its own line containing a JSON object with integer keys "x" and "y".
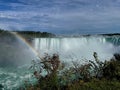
{"x": 61, "y": 16}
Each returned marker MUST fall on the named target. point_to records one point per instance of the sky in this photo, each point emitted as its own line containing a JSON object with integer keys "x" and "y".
{"x": 61, "y": 16}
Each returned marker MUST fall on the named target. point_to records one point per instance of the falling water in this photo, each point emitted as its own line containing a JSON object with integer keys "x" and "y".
{"x": 15, "y": 55}
{"x": 80, "y": 47}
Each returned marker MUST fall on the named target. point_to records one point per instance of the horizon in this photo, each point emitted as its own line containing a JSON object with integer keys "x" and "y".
{"x": 61, "y": 17}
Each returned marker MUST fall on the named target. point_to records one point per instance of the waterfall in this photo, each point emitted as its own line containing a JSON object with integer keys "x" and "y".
{"x": 78, "y": 48}
{"x": 16, "y": 52}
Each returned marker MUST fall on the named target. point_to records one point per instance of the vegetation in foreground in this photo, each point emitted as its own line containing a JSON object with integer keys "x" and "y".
{"x": 94, "y": 75}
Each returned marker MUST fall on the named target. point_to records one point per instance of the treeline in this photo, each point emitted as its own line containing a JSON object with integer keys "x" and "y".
{"x": 5, "y": 33}
{"x": 111, "y": 34}
{"x": 32, "y": 34}
{"x": 35, "y": 34}
{"x": 1, "y": 31}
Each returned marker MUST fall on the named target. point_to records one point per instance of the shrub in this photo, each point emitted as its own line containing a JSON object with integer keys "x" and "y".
{"x": 112, "y": 70}
{"x": 50, "y": 64}
{"x": 95, "y": 75}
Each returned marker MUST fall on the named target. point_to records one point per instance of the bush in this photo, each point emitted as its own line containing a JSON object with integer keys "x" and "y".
{"x": 95, "y": 75}
{"x": 112, "y": 69}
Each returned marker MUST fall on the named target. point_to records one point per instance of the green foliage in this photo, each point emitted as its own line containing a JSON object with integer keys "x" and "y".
{"x": 50, "y": 64}
{"x": 95, "y": 75}
{"x": 95, "y": 84}
{"x": 112, "y": 70}
{"x": 81, "y": 71}
{"x": 35, "y": 34}
{"x": 29, "y": 34}
{"x": 97, "y": 66}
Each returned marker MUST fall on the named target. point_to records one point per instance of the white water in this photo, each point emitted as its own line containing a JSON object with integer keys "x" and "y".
{"x": 13, "y": 78}
{"x": 15, "y": 52}
{"x": 15, "y": 59}
{"x": 76, "y": 48}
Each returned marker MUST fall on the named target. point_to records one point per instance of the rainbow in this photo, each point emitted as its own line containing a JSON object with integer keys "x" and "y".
{"x": 27, "y": 43}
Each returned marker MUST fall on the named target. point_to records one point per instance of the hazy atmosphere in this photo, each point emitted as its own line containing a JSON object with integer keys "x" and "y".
{"x": 61, "y": 16}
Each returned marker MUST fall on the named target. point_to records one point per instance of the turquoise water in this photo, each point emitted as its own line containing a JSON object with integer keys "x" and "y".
{"x": 13, "y": 78}
{"x": 114, "y": 40}
{"x": 16, "y": 56}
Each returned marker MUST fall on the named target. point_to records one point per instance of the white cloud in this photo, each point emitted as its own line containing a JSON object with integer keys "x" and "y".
{"x": 69, "y": 15}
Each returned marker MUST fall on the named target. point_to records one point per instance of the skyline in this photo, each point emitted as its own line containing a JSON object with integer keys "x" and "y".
{"x": 61, "y": 16}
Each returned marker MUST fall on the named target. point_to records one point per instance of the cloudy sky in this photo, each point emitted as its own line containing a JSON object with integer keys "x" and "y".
{"x": 61, "y": 16}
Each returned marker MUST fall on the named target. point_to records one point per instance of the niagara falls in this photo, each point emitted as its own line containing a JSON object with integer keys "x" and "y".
{"x": 59, "y": 44}
{"x": 14, "y": 67}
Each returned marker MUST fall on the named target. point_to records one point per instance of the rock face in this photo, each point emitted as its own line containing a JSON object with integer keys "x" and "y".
{"x": 14, "y": 52}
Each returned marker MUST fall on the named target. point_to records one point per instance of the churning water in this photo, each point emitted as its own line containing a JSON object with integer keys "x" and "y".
{"x": 15, "y": 58}
{"x": 15, "y": 55}
{"x": 80, "y": 47}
